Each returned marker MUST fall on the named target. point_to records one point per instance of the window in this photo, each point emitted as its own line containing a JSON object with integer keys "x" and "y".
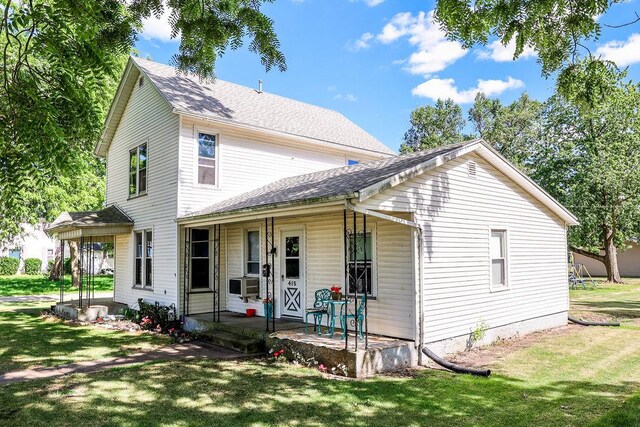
{"x": 252, "y": 253}
{"x": 200, "y": 271}
{"x": 143, "y": 259}
{"x": 361, "y": 272}
{"x": 292, "y": 257}
{"x": 148, "y": 259}
{"x": 206, "y": 158}
{"x": 138, "y": 170}
{"x": 498, "y": 249}
{"x": 15, "y": 253}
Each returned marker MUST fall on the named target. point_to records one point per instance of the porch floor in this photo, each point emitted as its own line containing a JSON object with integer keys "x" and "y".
{"x": 100, "y": 306}
{"x": 257, "y": 323}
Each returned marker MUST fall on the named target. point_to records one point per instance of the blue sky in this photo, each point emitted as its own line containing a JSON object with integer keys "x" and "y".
{"x": 377, "y": 60}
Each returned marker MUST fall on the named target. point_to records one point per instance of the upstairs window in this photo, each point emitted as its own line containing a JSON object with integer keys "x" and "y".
{"x": 138, "y": 171}
{"x": 499, "y": 277}
{"x": 207, "y": 159}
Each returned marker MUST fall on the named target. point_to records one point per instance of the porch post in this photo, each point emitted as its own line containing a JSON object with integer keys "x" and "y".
{"x": 265, "y": 276}
{"x": 216, "y": 273}
{"x": 366, "y": 284}
{"x": 273, "y": 276}
{"x": 355, "y": 279}
{"x": 185, "y": 274}
{"x": 346, "y": 266}
{"x": 80, "y": 265}
{"x": 61, "y": 270}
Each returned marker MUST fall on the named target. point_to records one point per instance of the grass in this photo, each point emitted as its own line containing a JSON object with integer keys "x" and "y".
{"x": 608, "y": 301}
{"x": 28, "y": 340}
{"x": 40, "y": 285}
{"x": 582, "y": 376}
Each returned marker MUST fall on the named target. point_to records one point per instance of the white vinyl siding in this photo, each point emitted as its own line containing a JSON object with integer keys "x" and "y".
{"x": 390, "y": 314}
{"x": 148, "y": 118}
{"x": 244, "y": 161}
{"x": 456, "y": 211}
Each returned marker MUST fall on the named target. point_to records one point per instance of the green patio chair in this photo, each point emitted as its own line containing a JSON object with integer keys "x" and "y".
{"x": 358, "y": 316}
{"x": 319, "y": 309}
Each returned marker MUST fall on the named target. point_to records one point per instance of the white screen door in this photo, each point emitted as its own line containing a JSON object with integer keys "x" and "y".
{"x": 292, "y": 268}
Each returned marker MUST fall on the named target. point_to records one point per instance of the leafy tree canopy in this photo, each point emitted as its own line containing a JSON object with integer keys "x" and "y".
{"x": 61, "y": 60}
{"x": 555, "y": 29}
{"x": 433, "y": 126}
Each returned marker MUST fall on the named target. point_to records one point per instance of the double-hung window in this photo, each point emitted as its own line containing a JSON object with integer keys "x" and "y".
{"x": 252, "y": 253}
{"x": 361, "y": 267}
{"x": 200, "y": 261}
{"x": 138, "y": 171}
{"x": 143, "y": 260}
{"x": 207, "y": 162}
{"x": 499, "y": 267}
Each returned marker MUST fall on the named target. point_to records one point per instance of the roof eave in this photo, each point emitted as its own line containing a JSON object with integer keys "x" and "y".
{"x": 414, "y": 171}
{"x": 263, "y": 209}
{"x": 280, "y": 134}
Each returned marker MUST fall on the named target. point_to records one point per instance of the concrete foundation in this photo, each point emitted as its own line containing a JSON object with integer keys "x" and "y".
{"x": 462, "y": 343}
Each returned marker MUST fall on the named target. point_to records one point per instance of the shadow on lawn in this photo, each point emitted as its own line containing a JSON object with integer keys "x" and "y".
{"x": 619, "y": 309}
{"x": 249, "y": 392}
{"x": 28, "y": 340}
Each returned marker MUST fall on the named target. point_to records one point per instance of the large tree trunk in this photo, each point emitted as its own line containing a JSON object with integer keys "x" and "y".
{"x": 56, "y": 268}
{"x": 611, "y": 258}
{"x": 75, "y": 270}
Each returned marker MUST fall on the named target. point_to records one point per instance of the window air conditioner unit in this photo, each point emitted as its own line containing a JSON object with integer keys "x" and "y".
{"x": 245, "y": 287}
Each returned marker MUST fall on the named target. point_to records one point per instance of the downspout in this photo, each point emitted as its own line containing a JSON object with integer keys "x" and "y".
{"x": 420, "y": 286}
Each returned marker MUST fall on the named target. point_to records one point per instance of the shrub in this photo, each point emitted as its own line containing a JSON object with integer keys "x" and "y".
{"x": 33, "y": 266}
{"x": 9, "y": 266}
{"x": 157, "y": 317}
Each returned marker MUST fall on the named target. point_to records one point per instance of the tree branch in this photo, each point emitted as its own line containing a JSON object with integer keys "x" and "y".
{"x": 625, "y": 24}
{"x": 597, "y": 257}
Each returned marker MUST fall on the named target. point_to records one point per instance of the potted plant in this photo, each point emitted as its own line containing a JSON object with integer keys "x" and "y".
{"x": 268, "y": 307}
{"x": 335, "y": 293}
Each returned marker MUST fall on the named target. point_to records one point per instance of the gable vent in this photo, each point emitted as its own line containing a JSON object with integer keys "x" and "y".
{"x": 140, "y": 81}
{"x": 471, "y": 168}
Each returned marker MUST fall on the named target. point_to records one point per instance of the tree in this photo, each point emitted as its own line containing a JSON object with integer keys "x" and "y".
{"x": 60, "y": 60}
{"x": 555, "y": 29}
{"x": 434, "y": 126}
{"x": 514, "y": 130}
{"x": 589, "y": 159}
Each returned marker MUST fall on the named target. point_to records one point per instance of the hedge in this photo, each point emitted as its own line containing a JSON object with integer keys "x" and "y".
{"x": 33, "y": 266}
{"x": 9, "y": 266}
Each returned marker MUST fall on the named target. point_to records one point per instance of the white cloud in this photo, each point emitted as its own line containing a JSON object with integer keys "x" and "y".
{"x": 349, "y": 97}
{"x": 158, "y": 28}
{"x": 445, "y": 88}
{"x": 498, "y": 52}
{"x": 363, "y": 42}
{"x": 434, "y": 52}
{"x": 623, "y": 53}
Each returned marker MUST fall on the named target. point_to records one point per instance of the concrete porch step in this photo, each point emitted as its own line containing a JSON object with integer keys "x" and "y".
{"x": 241, "y": 343}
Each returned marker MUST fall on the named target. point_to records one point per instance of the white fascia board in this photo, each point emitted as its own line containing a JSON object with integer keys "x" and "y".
{"x": 407, "y": 174}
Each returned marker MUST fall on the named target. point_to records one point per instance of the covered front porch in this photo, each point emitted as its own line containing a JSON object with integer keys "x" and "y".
{"x": 87, "y": 230}
{"x": 289, "y": 261}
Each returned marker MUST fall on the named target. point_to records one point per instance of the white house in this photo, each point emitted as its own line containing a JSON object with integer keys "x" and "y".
{"x": 208, "y": 182}
{"x": 32, "y": 242}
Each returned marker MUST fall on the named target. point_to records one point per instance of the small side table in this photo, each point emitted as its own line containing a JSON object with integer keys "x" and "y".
{"x": 335, "y": 309}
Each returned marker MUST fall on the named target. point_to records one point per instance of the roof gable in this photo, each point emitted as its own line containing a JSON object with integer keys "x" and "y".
{"x": 365, "y": 180}
{"x": 238, "y": 105}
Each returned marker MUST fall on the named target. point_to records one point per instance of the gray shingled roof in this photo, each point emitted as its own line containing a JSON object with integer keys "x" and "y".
{"x": 325, "y": 185}
{"x": 233, "y": 103}
{"x": 111, "y": 215}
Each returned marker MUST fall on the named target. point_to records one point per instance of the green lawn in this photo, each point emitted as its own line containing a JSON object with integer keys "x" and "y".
{"x": 582, "y": 376}
{"x": 26, "y": 340}
{"x": 40, "y": 285}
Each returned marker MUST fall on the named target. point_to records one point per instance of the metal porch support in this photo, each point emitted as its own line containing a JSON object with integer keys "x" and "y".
{"x": 61, "y": 277}
{"x": 347, "y": 274}
{"x": 355, "y": 281}
{"x": 216, "y": 272}
{"x": 269, "y": 275}
{"x": 80, "y": 268}
{"x": 351, "y": 239}
{"x": 366, "y": 283}
{"x": 185, "y": 274}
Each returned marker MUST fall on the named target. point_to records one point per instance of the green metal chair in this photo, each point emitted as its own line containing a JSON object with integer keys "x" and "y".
{"x": 319, "y": 309}
{"x": 358, "y": 316}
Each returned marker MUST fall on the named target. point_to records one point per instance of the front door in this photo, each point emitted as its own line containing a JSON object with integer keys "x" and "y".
{"x": 292, "y": 268}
